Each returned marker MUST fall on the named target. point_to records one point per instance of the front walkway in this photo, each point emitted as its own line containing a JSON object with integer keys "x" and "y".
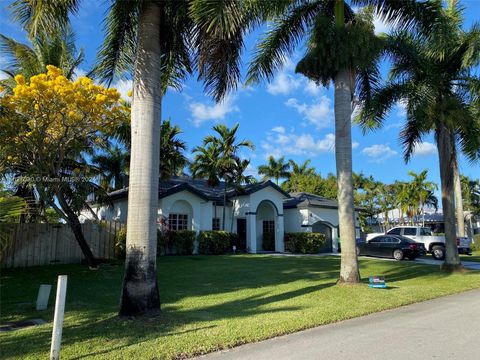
{"x": 444, "y": 328}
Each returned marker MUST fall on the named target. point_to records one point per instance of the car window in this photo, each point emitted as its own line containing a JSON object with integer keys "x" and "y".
{"x": 395, "y": 231}
{"x": 394, "y": 240}
{"x": 410, "y": 231}
{"x": 425, "y": 232}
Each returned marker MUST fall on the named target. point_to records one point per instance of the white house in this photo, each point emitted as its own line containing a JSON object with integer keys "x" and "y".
{"x": 191, "y": 204}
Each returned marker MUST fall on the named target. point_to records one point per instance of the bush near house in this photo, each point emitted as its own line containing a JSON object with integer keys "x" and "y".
{"x": 176, "y": 242}
{"x": 170, "y": 243}
{"x": 215, "y": 242}
{"x": 304, "y": 243}
{"x": 476, "y": 242}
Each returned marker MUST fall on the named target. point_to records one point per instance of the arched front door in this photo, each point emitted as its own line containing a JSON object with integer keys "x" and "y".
{"x": 323, "y": 228}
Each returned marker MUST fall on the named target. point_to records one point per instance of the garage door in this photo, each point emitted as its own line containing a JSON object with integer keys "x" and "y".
{"x": 322, "y": 228}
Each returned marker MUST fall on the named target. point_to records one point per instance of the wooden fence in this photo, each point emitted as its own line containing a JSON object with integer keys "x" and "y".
{"x": 43, "y": 244}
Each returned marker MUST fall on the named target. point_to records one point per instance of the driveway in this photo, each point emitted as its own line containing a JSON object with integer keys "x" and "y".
{"x": 444, "y": 328}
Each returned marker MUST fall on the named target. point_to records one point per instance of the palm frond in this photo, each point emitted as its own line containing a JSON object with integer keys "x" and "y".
{"x": 43, "y": 17}
{"x": 280, "y": 41}
{"x": 116, "y": 55}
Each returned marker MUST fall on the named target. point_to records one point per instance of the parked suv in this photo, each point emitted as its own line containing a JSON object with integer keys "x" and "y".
{"x": 434, "y": 245}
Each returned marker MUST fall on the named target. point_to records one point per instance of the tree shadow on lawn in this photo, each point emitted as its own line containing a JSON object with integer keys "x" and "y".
{"x": 171, "y": 322}
{"x": 92, "y": 297}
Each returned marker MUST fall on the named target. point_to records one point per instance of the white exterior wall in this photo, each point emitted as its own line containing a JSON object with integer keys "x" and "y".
{"x": 295, "y": 218}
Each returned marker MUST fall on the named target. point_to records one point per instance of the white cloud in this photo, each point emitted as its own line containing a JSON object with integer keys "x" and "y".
{"x": 123, "y": 86}
{"x": 311, "y": 88}
{"x": 379, "y": 152}
{"x": 202, "y": 112}
{"x": 283, "y": 84}
{"x": 425, "y": 148}
{"x": 401, "y": 106}
{"x": 319, "y": 113}
{"x": 279, "y": 129}
{"x": 355, "y": 145}
{"x": 251, "y": 170}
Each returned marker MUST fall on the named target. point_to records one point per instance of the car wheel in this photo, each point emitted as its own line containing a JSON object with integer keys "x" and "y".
{"x": 438, "y": 252}
{"x": 398, "y": 254}
{"x": 358, "y": 251}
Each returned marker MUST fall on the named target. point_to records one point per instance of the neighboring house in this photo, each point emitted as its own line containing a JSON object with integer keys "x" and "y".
{"x": 191, "y": 204}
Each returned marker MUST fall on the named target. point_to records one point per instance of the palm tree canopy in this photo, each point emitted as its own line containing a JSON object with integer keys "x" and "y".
{"x": 113, "y": 165}
{"x": 275, "y": 169}
{"x": 172, "y": 148}
{"x": 432, "y": 75}
{"x": 58, "y": 50}
{"x": 301, "y": 169}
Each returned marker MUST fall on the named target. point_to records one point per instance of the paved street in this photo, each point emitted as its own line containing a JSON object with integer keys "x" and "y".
{"x": 444, "y": 328}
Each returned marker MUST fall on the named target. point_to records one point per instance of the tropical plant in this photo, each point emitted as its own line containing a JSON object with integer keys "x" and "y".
{"x": 342, "y": 48}
{"x": 47, "y": 124}
{"x": 301, "y": 169}
{"x": 58, "y": 50}
{"x": 275, "y": 169}
{"x": 227, "y": 165}
{"x": 112, "y": 164}
{"x": 172, "y": 148}
{"x": 159, "y": 40}
{"x": 432, "y": 74}
{"x": 422, "y": 192}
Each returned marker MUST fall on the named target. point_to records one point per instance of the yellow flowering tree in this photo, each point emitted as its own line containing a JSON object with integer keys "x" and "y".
{"x": 48, "y": 125}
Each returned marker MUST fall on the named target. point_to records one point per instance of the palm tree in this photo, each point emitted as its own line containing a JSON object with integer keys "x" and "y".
{"x": 225, "y": 142}
{"x": 342, "y": 47}
{"x": 301, "y": 169}
{"x": 422, "y": 191}
{"x": 237, "y": 178}
{"x": 113, "y": 166}
{"x": 159, "y": 39}
{"x": 431, "y": 72}
{"x": 58, "y": 50}
{"x": 275, "y": 169}
{"x": 172, "y": 158}
{"x": 205, "y": 164}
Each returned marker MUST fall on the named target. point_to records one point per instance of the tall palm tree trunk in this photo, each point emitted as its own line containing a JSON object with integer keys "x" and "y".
{"x": 140, "y": 289}
{"x": 458, "y": 202}
{"x": 446, "y": 155}
{"x": 343, "y": 155}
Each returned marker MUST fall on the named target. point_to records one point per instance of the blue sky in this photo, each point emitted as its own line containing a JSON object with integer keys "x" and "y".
{"x": 289, "y": 116}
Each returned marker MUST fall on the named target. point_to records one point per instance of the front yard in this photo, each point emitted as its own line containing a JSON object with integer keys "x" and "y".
{"x": 209, "y": 303}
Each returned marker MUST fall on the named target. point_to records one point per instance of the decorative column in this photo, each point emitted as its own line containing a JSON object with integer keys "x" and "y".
{"x": 279, "y": 234}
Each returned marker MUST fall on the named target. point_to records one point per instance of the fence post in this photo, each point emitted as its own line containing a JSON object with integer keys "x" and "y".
{"x": 58, "y": 317}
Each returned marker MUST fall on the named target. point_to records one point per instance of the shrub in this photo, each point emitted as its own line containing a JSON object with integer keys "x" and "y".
{"x": 171, "y": 243}
{"x": 304, "y": 243}
{"x": 121, "y": 243}
{"x": 178, "y": 242}
{"x": 215, "y": 242}
{"x": 268, "y": 243}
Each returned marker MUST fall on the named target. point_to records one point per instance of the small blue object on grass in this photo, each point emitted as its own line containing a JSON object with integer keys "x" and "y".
{"x": 377, "y": 282}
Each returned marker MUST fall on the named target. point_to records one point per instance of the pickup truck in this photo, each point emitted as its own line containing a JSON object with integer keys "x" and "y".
{"x": 434, "y": 245}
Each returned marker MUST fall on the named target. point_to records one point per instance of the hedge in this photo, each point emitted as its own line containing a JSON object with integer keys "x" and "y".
{"x": 178, "y": 242}
{"x": 304, "y": 242}
{"x": 173, "y": 243}
{"x": 215, "y": 242}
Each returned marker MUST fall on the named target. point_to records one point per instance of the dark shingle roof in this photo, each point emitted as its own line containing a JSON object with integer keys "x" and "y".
{"x": 201, "y": 188}
{"x": 303, "y": 199}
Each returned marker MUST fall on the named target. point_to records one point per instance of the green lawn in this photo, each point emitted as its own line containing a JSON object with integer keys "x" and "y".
{"x": 475, "y": 256}
{"x": 208, "y": 303}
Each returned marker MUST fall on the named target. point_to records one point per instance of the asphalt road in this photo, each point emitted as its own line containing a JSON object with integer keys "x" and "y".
{"x": 444, "y": 328}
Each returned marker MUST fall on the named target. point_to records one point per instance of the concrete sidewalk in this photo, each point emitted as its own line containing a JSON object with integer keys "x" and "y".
{"x": 444, "y": 328}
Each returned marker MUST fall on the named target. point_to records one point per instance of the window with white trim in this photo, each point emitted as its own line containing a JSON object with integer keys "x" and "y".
{"x": 178, "y": 222}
